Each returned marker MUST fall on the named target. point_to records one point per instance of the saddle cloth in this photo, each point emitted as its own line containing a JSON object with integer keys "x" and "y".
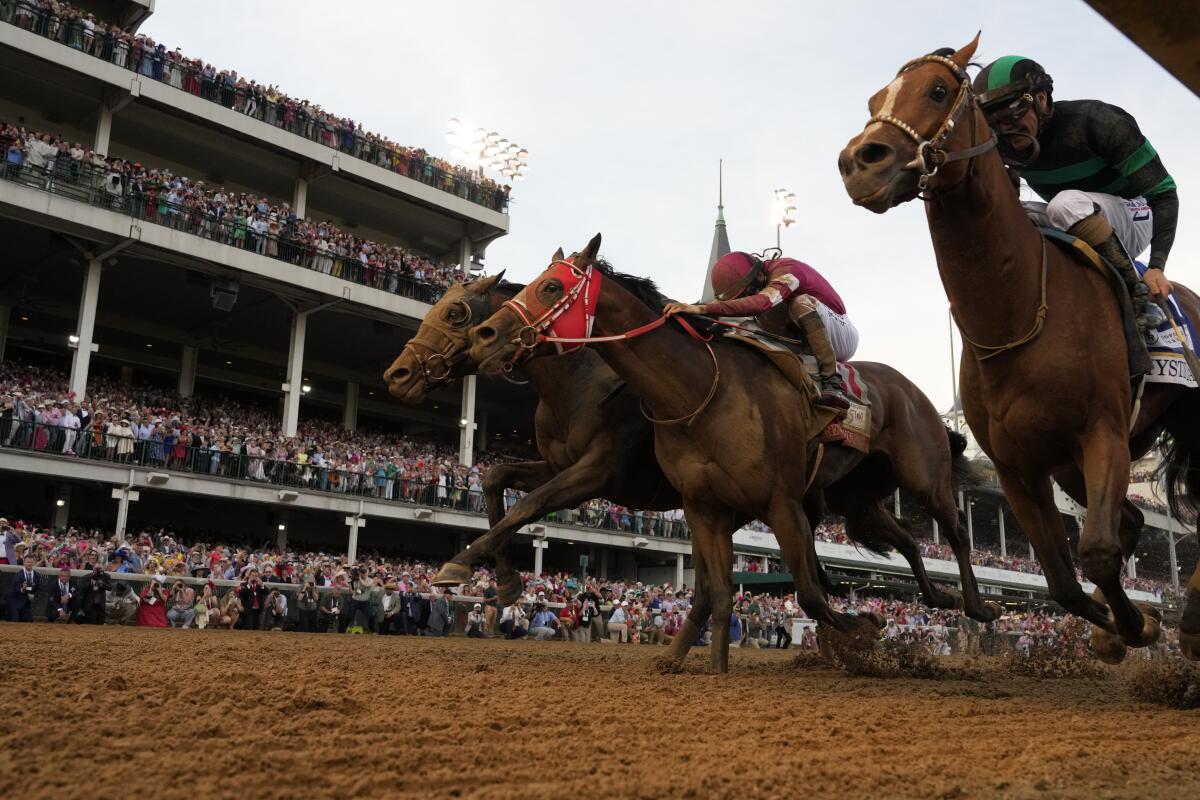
{"x": 801, "y": 370}
{"x": 1168, "y": 364}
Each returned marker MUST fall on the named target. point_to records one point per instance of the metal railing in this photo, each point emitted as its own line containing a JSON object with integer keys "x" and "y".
{"x": 371, "y": 480}
{"x": 114, "y": 191}
{"x": 277, "y": 111}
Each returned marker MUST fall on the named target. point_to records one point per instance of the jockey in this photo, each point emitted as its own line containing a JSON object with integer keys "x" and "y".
{"x": 746, "y": 286}
{"x": 1101, "y": 178}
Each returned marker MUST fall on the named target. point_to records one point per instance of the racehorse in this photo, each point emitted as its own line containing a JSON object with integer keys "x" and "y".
{"x": 726, "y": 427}
{"x": 1044, "y": 379}
{"x": 605, "y": 449}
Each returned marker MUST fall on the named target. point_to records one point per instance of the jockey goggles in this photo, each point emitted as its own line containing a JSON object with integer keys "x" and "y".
{"x": 1011, "y": 111}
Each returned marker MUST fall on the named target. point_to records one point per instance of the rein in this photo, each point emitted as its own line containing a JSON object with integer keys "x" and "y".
{"x": 1039, "y": 322}
{"x": 931, "y": 153}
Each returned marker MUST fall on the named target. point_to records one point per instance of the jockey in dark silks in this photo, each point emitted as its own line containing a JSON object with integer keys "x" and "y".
{"x": 747, "y": 286}
{"x": 1101, "y": 179}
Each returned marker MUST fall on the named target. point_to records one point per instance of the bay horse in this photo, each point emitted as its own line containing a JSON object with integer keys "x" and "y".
{"x": 726, "y": 427}
{"x": 606, "y": 449}
{"x": 1044, "y": 379}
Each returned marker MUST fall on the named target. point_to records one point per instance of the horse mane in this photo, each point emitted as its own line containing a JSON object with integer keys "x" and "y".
{"x": 644, "y": 289}
{"x": 508, "y": 288}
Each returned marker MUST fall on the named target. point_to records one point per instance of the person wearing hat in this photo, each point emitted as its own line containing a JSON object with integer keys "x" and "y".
{"x": 9, "y": 539}
{"x": 440, "y": 619}
{"x": 618, "y": 623}
{"x": 389, "y": 609}
{"x": 477, "y": 623}
{"x": 747, "y": 285}
{"x": 544, "y": 624}
{"x": 1098, "y": 174}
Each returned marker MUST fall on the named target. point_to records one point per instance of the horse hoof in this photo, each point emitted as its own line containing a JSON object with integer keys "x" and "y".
{"x": 948, "y": 598}
{"x": 874, "y": 619}
{"x": 509, "y": 590}
{"x": 1108, "y": 647}
{"x": 1151, "y": 626}
{"x": 668, "y": 665}
{"x": 452, "y": 574}
{"x": 1189, "y": 644}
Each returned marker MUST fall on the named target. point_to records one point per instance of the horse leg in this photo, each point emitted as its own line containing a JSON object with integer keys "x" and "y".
{"x": 718, "y": 526}
{"x": 524, "y": 476}
{"x": 1105, "y": 467}
{"x": 1070, "y": 479}
{"x": 1032, "y": 502}
{"x": 798, "y": 548}
{"x": 581, "y": 481}
{"x": 1189, "y": 624}
{"x": 689, "y": 631}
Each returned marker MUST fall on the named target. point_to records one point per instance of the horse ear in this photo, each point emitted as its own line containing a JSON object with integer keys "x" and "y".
{"x": 967, "y": 52}
{"x": 485, "y": 285}
{"x": 559, "y": 255}
{"x": 589, "y": 253}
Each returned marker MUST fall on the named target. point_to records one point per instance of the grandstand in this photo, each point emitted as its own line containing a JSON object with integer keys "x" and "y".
{"x": 135, "y": 269}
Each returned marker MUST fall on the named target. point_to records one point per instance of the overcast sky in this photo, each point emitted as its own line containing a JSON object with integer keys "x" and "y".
{"x": 626, "y": 107}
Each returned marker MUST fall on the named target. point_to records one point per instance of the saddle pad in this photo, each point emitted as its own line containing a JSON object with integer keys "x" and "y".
{"x": 784, "y": 359}
{"x": 781, "y": 355}
{"x": 854, "y": 431}
{"x": 1168, "y": 364}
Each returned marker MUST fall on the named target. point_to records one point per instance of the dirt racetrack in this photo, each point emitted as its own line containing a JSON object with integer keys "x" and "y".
{"x": 124, "y": 712}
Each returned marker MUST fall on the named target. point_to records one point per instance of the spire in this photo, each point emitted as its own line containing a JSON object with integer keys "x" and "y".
{"x": 720, "y": 242}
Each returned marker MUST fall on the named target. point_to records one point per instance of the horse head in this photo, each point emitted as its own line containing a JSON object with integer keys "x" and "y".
{"x": 914, "y": 141}
{"x": 436, "y": 354}
{"x": 518, "y": 329}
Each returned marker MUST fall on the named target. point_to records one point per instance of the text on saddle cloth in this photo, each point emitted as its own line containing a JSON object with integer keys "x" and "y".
{"x": 1168, "y": 362}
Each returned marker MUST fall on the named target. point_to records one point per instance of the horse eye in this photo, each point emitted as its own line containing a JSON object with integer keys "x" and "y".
{"x": 938, "y": 93}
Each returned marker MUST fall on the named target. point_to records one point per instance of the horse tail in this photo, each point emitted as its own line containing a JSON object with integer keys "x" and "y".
{"x": 1179, "y": 472}
{"x": 963, "y": 473}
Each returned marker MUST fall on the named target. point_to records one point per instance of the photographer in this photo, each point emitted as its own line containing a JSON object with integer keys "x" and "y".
{"x": 152, "y": 613}
{"x": 61, "y": 605}
{"x": 361, "y": 612}
{"x": 513, "y": 622}
{"x": 24, "y": 587}
{"x": 545, "y": 623}
{"x": 94, "y": 595}
{"x": 181, "y": 606}
{"x": 388, "y": 612}
{"x": 307, "y": 603}
{"x": 333, "y": 614}
{"x": 440, "y": 621}
{"x": 124, "y": 605}
{"x": 229, "y": 613}
{"x": 207, "y": 607}
{"x": 254, "y": 597}
{"x": 477, "y": 623}
{"x": 276, "y": 611}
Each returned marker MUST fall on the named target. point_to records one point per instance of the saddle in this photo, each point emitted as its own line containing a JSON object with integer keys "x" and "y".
{"x": 801, "y": 371}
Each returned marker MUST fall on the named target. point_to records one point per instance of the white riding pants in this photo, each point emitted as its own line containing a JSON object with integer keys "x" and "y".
{"x": 1131, "y": 220}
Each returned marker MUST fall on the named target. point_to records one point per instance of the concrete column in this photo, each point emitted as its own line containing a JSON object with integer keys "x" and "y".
{"x": 300, "y": 196}
{"x": 1171, "y": 553}
{"x": 678, "y": 571}
{"x": 466, "y": 424}
{"x": 1032, "y": 555}
{"x": 970, "y": 526}
{"x": 350, "y": 407}
{"x": 62, "y": 507}
{"x": 464, "y": 253}
{"x": 355, "y": 522}
{"x": 1003, "y": 543}
{"x": 935, "y": 531}
{"x": 5, "y": 315}
{"x": 539, "y": 548}
{"x": 124, "y": 495}
{"x": 295, "y": 374}
{"x": 103, "y": 136}
{"x": 896, "y": 502}
{"x": 603, "y": 564}
{"x": 86, "y": 329}
{"x": 187, "y": 371}
{"x": 1132, "y": 566}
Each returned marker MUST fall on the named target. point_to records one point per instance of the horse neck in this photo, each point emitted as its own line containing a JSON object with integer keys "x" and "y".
{"x": 666, "y": 368}
{"x": 988, "y": 254}
{"x": 552, "y": 379}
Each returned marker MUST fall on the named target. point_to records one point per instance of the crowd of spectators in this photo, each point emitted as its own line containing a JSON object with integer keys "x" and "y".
{"x": 216, "y": 435}
{"x": 140, "y": 581}
{"x": 246, "y": 221}
{"x": 79, "y": 29}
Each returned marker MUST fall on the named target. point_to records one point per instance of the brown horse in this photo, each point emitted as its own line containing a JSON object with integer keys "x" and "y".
{"x": 726, "y": 428}
{"x": 1047, "y": 393}
{"x": 908, "y": 450}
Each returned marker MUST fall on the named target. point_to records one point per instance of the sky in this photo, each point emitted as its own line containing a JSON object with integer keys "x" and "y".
{"x": 626, "y": 107}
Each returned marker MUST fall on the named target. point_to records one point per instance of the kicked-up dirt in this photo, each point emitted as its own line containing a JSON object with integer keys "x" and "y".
{"x": 126, "y": 712}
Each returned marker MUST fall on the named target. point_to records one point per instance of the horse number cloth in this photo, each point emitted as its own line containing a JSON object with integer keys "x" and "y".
{"x": 1168, "y": 363}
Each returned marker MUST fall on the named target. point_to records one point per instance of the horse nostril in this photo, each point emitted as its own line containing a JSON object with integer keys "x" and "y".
{"x": 399, "y": 374}
{"x": 873, "y": 154}
{"x": 485, "y": 334}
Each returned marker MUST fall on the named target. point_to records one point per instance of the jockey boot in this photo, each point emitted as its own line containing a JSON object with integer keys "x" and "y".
{"x": 833, "y": 391}
{"x": 1096, "y": 231}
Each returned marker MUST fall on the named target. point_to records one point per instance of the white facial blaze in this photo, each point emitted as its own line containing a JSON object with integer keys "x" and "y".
{"x": 889, "y": 100}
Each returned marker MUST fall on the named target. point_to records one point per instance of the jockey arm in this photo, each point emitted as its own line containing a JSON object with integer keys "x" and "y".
{"x": 777, "y": 290}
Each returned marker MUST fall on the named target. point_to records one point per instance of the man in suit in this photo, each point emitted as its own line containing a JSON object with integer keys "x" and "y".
{"x": 24, "y": 587}
{"x": 254, "y": 599}
{"x": 389, "y": 610}
{"x": 94, "y": 595}
{"x": 440, "y": 620}
{"x": 334, "y": 612}
{"x": 61, "y": 604}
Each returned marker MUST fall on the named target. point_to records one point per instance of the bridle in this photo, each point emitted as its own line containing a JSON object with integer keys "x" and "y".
{"x": 541, "y": 323}
{"x": 436, "y": 367}
{"x": 931, "y": 153}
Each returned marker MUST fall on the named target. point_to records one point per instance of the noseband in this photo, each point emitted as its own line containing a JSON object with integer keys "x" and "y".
{"x": 540, "y": 320}
{"x": 437, "y": 366}
{"x": 931, "y": 153}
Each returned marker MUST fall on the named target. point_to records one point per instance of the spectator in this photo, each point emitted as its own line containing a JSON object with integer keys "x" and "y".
{"x": 181, "y": 605}
{"x": 477, "y": 623}
{"x": 333, "y": 612}
{"x": 545, "y": 623}
{"x": 307, "y": 604}
{"x": 362, "y": 611}
{"x": 125, "y": 605}
{"x": 440, "y": 621}
{"x": 151, "y": 612}
{"x": 276, "y": 610}
{"x": 513, "y": 622}
{"x": 253, "y": 596}
{"x": 61, "y": 605}
{"x": 207, "y": 608}
{"x": 24, "y": 588}
{"x": 618, "y": 627}
{"x": 94, "y": 597}
{"x": 388, "y": 613}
